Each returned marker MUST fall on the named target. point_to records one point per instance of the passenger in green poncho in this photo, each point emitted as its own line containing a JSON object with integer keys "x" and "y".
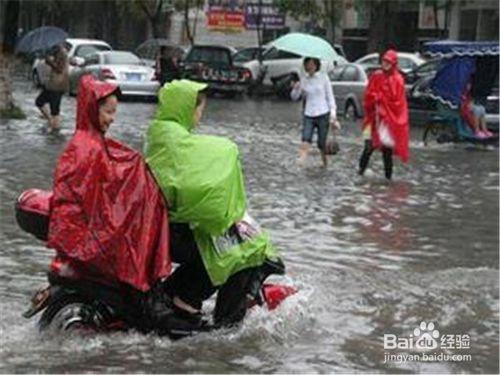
{"x": 212, "y": 237}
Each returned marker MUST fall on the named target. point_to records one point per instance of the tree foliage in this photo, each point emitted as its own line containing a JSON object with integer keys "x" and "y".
{"x": 185, "y": 7}
{"x": 325, "y": 12}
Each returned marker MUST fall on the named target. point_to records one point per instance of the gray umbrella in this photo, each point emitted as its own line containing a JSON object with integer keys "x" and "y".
{"x": 149, "y": 49}
{"x": 41, "y": 39}
{"x": 154, "y": 42}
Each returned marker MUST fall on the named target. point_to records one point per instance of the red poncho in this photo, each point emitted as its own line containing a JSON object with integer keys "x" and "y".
{"x": 108, "y": 215}
{"x": 466, "y": 109}
{"x": 386, "y": 94}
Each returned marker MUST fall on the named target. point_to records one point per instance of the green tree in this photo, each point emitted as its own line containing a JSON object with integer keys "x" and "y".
{"x": 189, "y": 27}
{"x": 158, "y": 13}
{"x": 333, "y": 13}
{"x": 386, "y": 21}
{"x": 9, "y": 19}
{"x": 327, "y": 12}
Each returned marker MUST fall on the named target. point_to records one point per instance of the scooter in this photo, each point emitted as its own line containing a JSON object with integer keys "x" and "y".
{"x": 85, "y": 302}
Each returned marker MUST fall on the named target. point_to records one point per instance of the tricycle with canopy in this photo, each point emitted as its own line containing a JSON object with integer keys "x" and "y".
{"x": 461, "y": 63}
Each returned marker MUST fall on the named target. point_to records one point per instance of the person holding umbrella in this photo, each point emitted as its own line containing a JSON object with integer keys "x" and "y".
{"x": 320, "y": 109}
{"x": 56, "y": 79}
{"x": 314, "y": 88}
{"x": 54, "y": 86}
{"x": 167, "y": 65}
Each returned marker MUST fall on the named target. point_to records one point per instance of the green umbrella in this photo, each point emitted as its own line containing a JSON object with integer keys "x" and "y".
{"x": 306, "y": 45}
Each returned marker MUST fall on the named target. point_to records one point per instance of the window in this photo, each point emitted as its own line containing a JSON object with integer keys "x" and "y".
{"x": 67, "y": 46}
{"x": 121, "y": 58}
{"x": 87, "y": 49}
{"x": 92, "y": 59}
{"x": 370, "y": 61}
{"x": 423, "y": 86}
{"x": 405, "y": 63}
{"x": 282, "y": 55}
{"x": 336, "y": 73}
{"x": 245, "y": 55}
{"x": 218, "y": 56}
{"x": 429, "y": 67}
{"x": 350, "y": 74}
{"x": 272, "y": 54}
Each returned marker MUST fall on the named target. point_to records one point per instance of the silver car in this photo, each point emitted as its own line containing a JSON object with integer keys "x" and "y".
{"x": 120, "y": 67}
{"x": 406, "y": 61}
{"x": 349, "y": 82}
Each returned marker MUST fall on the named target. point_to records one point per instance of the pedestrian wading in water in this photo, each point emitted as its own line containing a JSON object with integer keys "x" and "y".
{"x": 320, "y": 110}
{"x": 385, "y": 125}
{"x": 55, "y": 82}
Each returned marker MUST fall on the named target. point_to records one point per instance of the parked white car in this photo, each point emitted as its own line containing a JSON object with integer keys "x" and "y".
{"x": 77, "y": 50}
{"x": 406, "y": 61}
{"x": 277, "y": 63}
{"x": 122, "y": 68}
{"x": 349, "y": 82}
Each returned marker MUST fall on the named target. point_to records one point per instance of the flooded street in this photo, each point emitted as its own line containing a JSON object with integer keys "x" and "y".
{"x": 369, "y": 257}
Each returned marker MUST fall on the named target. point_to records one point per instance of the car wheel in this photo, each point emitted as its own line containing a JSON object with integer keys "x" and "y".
{"x": 351, "y": 113}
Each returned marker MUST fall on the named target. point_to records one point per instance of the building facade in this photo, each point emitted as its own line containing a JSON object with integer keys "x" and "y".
{"x": 414, "y": 22}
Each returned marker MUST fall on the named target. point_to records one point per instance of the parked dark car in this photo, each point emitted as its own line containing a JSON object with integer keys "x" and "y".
{"x": 426, "y": 69}
{"x": 214, "y": 65}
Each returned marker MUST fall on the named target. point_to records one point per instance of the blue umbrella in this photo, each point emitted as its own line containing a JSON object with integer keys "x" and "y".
{"x": 41, "y": 39}
{"x": 306, "y": 45}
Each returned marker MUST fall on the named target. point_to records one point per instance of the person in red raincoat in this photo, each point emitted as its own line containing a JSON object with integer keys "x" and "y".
{"x": 385, "y": 126}
{"x": 473, "y": 113}
{"x": 108, "y": 216}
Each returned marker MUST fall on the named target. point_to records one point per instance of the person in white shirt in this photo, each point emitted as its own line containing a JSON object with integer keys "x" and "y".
{"x": 320, "y": 110}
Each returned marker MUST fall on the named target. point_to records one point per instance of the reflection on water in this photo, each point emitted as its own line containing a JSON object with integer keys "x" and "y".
{"x": 370, "y": 257}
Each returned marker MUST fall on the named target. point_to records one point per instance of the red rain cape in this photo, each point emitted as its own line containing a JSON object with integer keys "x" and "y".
{"x": 108, "y": 215}
{"x": 466, "y": 109}
{"x": 386, "y": 93}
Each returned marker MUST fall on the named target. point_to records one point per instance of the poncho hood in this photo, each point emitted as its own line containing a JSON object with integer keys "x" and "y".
{"x": 89, "y": 93}
{"x": 200, "y": 175}
{"x": 391, "y": 56}
{"x": 177, "y": 102}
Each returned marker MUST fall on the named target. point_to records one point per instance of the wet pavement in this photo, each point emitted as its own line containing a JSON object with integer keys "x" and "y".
{"x": 370, "y": 257}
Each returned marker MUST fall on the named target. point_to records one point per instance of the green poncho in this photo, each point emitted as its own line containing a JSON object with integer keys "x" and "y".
{"x": 202, "y": 181}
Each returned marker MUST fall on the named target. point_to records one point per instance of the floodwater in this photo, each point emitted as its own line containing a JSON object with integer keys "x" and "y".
{"x": 369, "y": 257}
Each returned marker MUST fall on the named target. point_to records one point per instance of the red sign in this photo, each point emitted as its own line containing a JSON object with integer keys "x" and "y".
{"x": 224, "y": 20}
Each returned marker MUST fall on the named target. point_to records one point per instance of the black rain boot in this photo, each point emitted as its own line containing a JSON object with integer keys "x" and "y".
{"x": 387, "y": 156}
{"x": 365, "y": 157}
